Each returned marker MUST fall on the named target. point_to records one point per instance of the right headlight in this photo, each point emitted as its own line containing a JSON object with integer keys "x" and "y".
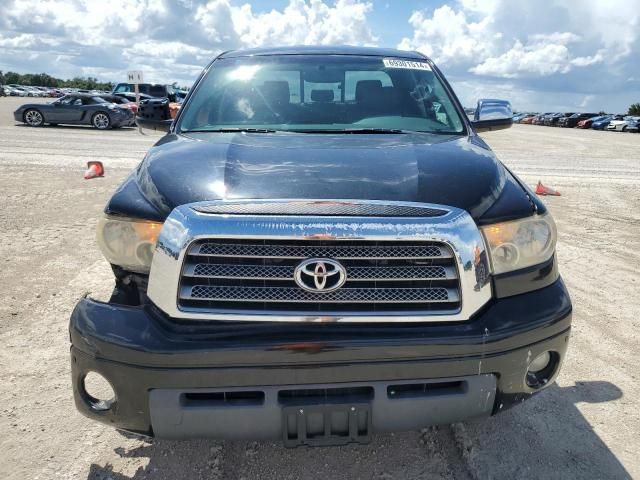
{"x": 128, "y": 242}
{"x": 520, "y": 243}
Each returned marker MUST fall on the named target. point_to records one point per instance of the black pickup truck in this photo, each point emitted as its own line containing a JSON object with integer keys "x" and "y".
{"x": 149, "y": 90}
{"x": 320, "y": 248}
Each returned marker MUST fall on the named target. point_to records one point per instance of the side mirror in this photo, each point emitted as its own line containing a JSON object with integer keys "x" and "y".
{"x": 492, "y": 114}
{"x": 154, "y": 114}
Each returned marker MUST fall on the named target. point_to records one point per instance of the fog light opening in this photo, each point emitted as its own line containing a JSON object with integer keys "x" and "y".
{"x": 540, "y": 362}
{"x": 542, "y": 369}
{"x": 98, "y": 391}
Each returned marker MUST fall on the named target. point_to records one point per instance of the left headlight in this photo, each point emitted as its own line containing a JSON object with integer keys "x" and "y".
{"x": 127, "y": 242}
{"x": 520, "y": 243}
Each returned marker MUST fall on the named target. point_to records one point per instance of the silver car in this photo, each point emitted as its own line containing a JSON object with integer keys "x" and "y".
{"x": 622, "y": 125}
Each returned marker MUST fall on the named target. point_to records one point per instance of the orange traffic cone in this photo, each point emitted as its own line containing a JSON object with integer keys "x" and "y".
{"x": 543, "y": 190}
{"x": 94, "y": 169}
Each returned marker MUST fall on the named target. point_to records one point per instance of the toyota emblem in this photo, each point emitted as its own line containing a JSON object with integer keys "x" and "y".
{"x": 320, "y": 275}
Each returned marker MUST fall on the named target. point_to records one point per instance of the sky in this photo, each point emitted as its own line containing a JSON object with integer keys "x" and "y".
{"x": 552, "y": 55}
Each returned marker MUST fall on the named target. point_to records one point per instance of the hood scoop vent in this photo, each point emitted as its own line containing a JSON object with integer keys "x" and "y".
{"x": 328, "y": 208}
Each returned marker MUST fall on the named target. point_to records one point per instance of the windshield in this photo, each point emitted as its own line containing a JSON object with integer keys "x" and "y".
{"x": 321, "y": 93}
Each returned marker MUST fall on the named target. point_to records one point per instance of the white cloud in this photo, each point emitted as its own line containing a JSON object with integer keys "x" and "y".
{"x": 543, "y": 55}
{"x": 449, "y": 36}
{"x": 170, "y": 40}
{"x": 452, "y": 38}
{"x": 560, "y": 46}
{"x": 302, "y": 23}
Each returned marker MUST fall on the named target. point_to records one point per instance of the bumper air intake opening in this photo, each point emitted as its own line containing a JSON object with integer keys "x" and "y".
{"x": 325, "y": 395}
{"x": 222, "y": 399}
{"x": 417, "y": 390}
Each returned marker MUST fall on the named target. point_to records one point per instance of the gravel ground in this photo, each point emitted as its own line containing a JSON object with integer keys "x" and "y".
{"x": 585, "y": 426}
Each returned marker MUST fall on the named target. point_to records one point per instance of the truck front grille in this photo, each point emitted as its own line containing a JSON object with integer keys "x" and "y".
{"x": 257, "y": 276}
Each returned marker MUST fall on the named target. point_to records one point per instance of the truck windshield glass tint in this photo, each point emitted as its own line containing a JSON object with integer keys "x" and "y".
{"x": 320, "y": 92}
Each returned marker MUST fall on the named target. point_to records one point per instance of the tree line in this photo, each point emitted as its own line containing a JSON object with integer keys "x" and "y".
{"x": 45, "y": 80}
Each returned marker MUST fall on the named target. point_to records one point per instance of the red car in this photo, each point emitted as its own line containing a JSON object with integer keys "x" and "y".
{"x": 587, "y": 122}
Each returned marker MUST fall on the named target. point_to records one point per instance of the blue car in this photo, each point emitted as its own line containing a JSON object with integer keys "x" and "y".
{"x": 603, "y": 122}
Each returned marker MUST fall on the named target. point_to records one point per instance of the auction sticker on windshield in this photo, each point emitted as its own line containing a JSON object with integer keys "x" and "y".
{"x": 400, "y": 63}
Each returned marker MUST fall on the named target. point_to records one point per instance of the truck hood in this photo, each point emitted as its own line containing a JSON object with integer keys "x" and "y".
{"x": 459, "y": 171}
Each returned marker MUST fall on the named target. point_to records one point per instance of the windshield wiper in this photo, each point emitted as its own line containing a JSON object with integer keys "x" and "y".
{"x": 352, "y": 130}
{"x": 375, "y": 130}
{"x": 230, "y": 130}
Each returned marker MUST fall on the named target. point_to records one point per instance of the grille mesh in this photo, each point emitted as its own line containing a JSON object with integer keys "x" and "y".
{"x": 234, "y": 276}
{"x": 333, "y": 251}
{"x": 344, "y": 295}
{"x": 256, "y": 272}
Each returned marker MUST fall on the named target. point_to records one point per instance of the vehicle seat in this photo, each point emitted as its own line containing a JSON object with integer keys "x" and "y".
{"x": 277, "y": 97}
{"x": 374, "y": 100}
{"x": 322, "y": 96}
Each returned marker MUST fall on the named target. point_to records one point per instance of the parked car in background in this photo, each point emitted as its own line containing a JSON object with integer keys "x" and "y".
{"x": 26, "y": 92}
{"x": 555, "y": 120}
{"x": 587, "y": 122}
{"x": 622, "y": 125}
{"x": 36, "y": 92}
{"x": 123, "y": 102}
{"x": 551, "y": 119}
{"x": 19, "y": 90}
{"x": 75, "y": 109}
{"x": 604, "y": 122}
{"x": 155, "y": 90}
{"x": 131, "y": 96}
{"x": 539, "y": 119}
{"x": 42, "y": 91}
{"x": 520, "y": 116}
{"x": 572, "y": 121}
{"x": 528, "y": 120}
{"x": 634, "y": 125}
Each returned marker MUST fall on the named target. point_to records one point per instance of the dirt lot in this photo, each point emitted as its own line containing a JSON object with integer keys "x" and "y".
{"x": 585, "y": 426}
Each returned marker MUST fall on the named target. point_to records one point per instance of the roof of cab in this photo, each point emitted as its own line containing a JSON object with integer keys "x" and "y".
{"x": 323, "y": 50}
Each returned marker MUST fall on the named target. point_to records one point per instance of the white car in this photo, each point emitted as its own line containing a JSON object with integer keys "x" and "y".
{"x": 35, "y": 92}
{"x": 621, "y": 125}
{"x": 19, "y": 91}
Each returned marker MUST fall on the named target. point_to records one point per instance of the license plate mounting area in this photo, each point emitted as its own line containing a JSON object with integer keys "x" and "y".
{"x": 326, "y": 424}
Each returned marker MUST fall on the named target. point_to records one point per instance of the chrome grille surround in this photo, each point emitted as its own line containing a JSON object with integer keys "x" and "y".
{"x": 304, "y": 251}
{"x": 455, "y": 235}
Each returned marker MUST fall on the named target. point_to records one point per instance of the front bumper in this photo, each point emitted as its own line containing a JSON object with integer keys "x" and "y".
{"x": 123, "y": 118}
{"x": 236, "y": 380}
